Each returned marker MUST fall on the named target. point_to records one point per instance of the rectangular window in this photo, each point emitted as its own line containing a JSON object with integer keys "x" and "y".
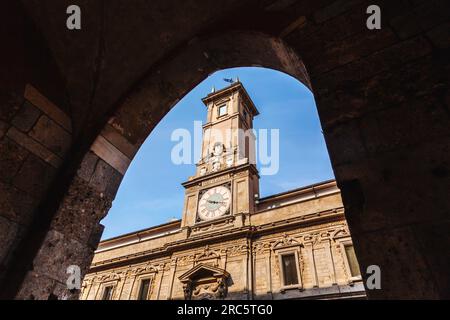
{"x": 143, "y": 290}
{"x": 352, "y": 261}
{"x": 289, "y": 265}
{"x": 107, "y": 293}
{"x": 222, "y": 110}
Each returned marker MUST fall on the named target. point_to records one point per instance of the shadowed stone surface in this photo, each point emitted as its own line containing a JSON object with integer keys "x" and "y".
{"x": 382, "y": 97}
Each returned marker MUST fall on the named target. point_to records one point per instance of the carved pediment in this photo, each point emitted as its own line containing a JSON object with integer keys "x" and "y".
{"x": 203, "y": 271}
{"x": 205, "y": 280}
{"x": 338, "y": 233}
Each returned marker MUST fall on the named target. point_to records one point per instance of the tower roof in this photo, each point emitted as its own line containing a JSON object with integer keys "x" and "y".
{"x": 236, "y": 86}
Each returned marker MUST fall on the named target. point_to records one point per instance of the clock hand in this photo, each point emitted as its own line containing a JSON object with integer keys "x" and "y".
{"x": 215, "y": 202}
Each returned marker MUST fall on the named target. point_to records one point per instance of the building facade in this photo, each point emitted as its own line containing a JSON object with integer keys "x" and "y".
{"x": 230, "y": 243}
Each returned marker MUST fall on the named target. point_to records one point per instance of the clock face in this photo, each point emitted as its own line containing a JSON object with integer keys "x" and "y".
{"x": 214, "y": 203}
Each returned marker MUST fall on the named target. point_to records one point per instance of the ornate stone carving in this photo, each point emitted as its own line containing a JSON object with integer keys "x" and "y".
{"x": 187, "y": 290}
{"x": 215, "y": 180}
{"x": 205, "y": 282}
{"x": 224, "y": 223}
{"x": 340, "y": 233}
{"x": 222, "y": 288}
{"x": 237, "y": 250}
{"x": 262, "y": 247}
{"x": 208, "y": 256}
{"x": 286, "y": 241}
{"x": 144, "y": 269}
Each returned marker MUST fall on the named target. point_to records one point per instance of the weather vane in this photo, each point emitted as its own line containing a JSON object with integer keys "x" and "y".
{"x": 230, "y": 80}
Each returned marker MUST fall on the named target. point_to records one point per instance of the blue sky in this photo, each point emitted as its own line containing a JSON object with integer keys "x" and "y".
{"x": 151, "y": 191}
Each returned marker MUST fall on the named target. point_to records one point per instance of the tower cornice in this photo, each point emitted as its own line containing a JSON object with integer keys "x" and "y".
{"x": 237, "y": 86}
{"x": 233, "y": 170}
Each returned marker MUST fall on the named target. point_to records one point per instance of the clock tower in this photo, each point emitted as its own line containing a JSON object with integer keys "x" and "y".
{"x": 221, "y": 195}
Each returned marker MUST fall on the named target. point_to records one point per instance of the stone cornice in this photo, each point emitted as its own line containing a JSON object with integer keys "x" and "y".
{"x": 233, "y": 170}
{"x": 237, "y": 86}
{"x": 201, "y": 240}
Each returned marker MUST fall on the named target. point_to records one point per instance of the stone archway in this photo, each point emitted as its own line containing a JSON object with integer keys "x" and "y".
{"x": 99, "y": 174}
{"x": 382, "y": 98}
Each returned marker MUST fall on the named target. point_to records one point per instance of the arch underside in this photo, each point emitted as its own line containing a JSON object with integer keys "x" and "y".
{"x": 381, "y": 95}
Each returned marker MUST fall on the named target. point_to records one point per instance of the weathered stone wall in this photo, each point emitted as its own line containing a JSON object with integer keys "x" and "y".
{"x": 76, "y": 230}
{"x": 253, "y": 265}
{"x": 383, "y": 102}
{"x": 33, "y": 144}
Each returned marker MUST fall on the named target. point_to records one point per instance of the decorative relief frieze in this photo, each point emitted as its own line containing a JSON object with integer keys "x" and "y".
{"x": 334, "y": 231}
{"x": 340, "y": 233}
{"x": 215, "y": 180}
{"x": 106, "y": 277}
{"x": 214, "y": 225}
{"x": 144, "y": 269}
{"x": 207, "y": 253}
{"x": 237, "y": 250}
{"x": 186, "y": 260}
{"x": 286, "y": 241}
{"x": 262, "y": 247}
{"x": 241, "y": 174}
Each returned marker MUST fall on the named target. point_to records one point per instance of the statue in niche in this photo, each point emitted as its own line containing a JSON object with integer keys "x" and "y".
{"x": 222, "y": 288}
{"x": 187, "y": 290}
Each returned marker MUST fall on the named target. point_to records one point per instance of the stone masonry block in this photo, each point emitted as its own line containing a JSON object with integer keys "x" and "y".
{"x": 440, "y": 36}
{"x": 393, "y": 250}
{"x": 345, "y": 143}
{"x": 41, "y": 102}
{"x": 9, "y": 105}
{"x": 3, "y": 128}
{"x": 51, "y": 135}
{"x": 87, "y": 166}
{"x": 433, "y": 239}
{"x": 59, "y": 252}
{"x": 421, "y": 18}
{"x": 26, "y": 117}
{"x": 8, "y": 235}
{"x": 34, "y": 177}
{"x": 11, "y": 158}
{"x": 15, "y": 204}
{"x": 36, "y": 287}
{"x": 389, "y": 197}
{"x": 334, "y": 9}
{"x": 106, "y": 179}
{"x": 80, "y": 212}
{"x": 34, "y": 147}
{"x": 422, "y": 120}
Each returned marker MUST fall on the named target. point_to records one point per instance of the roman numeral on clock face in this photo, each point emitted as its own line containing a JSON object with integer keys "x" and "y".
{"x": 214, "y": 203}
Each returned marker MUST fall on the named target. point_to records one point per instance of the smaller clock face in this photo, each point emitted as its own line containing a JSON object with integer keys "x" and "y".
{"x": 214, "y": 203}
{"x": 218, "y": 149}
